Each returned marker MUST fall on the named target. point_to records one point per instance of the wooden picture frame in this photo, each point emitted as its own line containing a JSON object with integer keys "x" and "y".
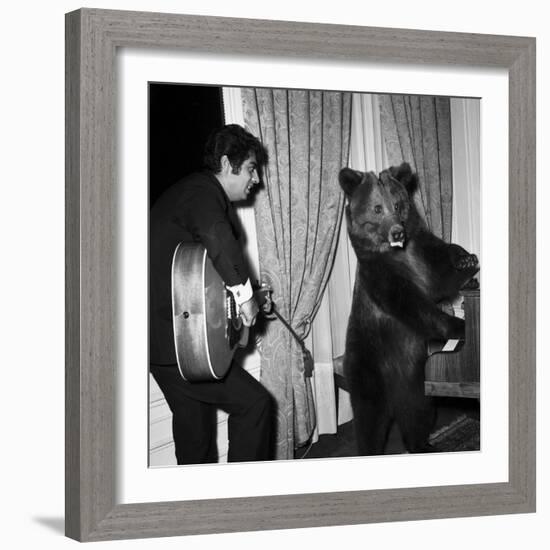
{"x": 92, "y": 39}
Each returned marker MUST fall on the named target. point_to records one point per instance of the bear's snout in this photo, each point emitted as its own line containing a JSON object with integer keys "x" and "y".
{"x": 397, "y": 235}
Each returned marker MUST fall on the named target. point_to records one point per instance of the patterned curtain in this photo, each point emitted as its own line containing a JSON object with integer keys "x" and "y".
{"x": 298, "y": 214}
{"x": 417, "y": 129}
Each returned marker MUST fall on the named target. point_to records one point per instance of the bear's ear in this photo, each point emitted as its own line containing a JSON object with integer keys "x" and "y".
{"x": 404, "y": 174}
{"x": 349, "y": 180}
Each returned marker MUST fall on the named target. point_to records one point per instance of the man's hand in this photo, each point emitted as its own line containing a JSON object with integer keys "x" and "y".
{"x": 248, "y": 312}
{"x": 267, "y": 306}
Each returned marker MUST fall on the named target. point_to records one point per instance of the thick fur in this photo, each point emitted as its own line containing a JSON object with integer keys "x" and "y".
{"x": 404, "y": 271}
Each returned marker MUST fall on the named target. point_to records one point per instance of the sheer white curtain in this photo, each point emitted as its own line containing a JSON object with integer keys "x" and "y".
{"x": 465, "y": 128}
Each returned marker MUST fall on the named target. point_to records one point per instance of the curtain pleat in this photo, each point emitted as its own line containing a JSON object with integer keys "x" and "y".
{"x": 417, "y": 129}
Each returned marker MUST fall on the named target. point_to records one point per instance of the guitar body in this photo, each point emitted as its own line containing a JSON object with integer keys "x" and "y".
{"x": 206, "y": 326}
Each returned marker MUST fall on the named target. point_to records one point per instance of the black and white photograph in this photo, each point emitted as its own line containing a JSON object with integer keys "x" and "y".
{"x": 314, "y": 274}
{"x": 278, "y": 262}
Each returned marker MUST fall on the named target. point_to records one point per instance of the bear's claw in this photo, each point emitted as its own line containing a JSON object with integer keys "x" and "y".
{"x": 467, "y": 261}
{"x": 463, "y": 260}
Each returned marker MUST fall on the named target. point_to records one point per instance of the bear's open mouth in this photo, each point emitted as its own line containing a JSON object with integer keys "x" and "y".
{"x": 396, "y": 235}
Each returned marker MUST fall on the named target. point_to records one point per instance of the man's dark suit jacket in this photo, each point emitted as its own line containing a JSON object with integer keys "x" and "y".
{"x": 196, "y": 209}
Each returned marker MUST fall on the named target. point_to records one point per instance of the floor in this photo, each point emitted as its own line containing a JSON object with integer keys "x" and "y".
{"x": 343, "y": 443}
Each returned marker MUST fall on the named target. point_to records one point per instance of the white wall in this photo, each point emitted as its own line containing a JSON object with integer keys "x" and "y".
{"x": 32, "y": 299}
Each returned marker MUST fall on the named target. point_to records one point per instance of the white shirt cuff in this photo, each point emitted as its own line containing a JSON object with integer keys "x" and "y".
{"x": 241, "y": 293}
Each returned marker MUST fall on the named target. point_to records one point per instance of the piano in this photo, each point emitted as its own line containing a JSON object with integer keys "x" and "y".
{"x": 452, "y": 368}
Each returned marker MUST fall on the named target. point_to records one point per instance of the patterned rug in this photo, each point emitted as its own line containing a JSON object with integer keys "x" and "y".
{"x": 460, "y": 435}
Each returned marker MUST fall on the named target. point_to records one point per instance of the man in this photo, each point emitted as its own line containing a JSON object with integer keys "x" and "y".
{"x": 199, "y": 209}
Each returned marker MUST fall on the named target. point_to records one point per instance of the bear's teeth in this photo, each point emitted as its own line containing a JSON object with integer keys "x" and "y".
{"x": 397, "y": 243}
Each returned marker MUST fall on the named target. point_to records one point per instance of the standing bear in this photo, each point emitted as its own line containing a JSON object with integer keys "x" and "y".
{"x": 403, "y": 272}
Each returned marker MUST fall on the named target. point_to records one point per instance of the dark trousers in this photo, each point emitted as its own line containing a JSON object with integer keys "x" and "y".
{"x": 193, "y": 405}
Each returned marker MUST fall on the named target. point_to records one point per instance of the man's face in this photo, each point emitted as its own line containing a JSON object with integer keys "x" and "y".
{"x": 238, "y": 186}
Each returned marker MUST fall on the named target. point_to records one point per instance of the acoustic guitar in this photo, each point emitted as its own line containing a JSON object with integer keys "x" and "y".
{"x": 207, "y": 326}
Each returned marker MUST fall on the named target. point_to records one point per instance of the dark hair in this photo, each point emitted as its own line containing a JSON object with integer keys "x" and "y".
{"x": 238, "y": 144}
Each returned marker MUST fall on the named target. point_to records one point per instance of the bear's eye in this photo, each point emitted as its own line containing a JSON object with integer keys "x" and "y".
{"x": 378, "y": 209}
{"x": 396, "y": 207}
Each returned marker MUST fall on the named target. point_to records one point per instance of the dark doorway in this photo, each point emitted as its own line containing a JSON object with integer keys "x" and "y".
{"x": 180, "y": 119}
